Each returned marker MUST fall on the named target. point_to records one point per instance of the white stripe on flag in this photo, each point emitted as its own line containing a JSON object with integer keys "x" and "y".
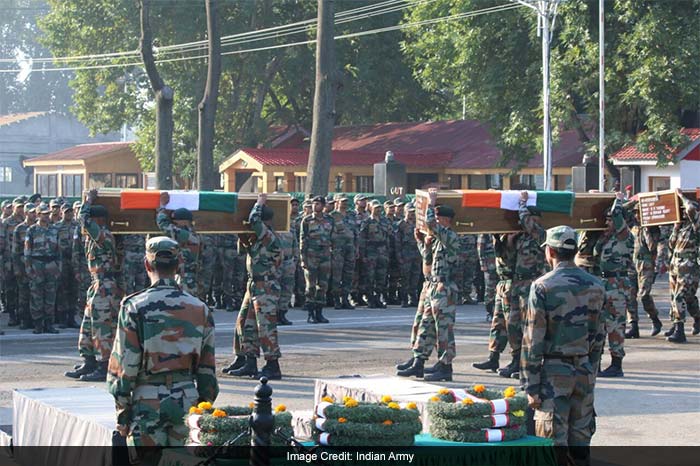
{"x": 510, "y": 200}
{"x": 183, "y": 199}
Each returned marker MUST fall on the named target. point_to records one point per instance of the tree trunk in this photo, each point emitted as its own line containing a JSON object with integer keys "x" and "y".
{"x": 319, "y": 166}
{"x": 207, "y": 179}
{"x": 164, "y": 95}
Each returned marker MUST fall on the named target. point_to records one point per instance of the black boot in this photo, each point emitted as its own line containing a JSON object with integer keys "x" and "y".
{"x": 696, "y": 327}
{"x": 378, "y": 299}
{"x": 309, "y": 307}
{"x": 491, "y": 364}
{"x": 319, "y": 315}
{"x": 633, "y": 331}
{"x": 511, "y": 368}
{"x": 404, "y": 300}
{"x": 405, "y": 365}
{"x": 26, "y": 325}
{"x": 614, "y": 369}
{"x": 670, "y": 331}
{"x": 98, "y": 375}
{"x": 489, "y": 311}
{"x": 346, "y": 303}
{"x": 271, "y": 370}
{"x": 416, "y": 369}
{"x": 38, "y": 327}
{"x": 431, "y": 369}
{"x": 48, "y": 327}
{"x": 282, "y": 318}
{"x": 236, "y": 364}
{"x": 656, "y": 326}
{"x": 88, "y": 365}
{"x": 249, "y": 369}
{"x": 337, "y": 303}
{"x": 678, "y": 335}
{"x": 443, "y": 373}
{"x": 299, "y": 301}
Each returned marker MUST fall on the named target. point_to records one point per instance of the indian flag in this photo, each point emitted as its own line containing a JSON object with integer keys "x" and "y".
{"x": 190, "y": 200}
{"x": 546, "y": 201}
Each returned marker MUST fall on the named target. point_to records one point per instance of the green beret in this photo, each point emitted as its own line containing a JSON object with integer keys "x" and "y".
{"x": 182, "y": 214}
{"x": 98, "y": 211}
{"x": 444, "y": 210}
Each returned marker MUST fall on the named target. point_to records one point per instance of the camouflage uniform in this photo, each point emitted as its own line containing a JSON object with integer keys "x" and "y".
{"x": 585, "y": 257}
{"x": 645, "y": 247}
{"x": 358, "y": 284}
{"x": 409, "y": 257}
{"x": 67, "y": 293}
{"x": 487, "y": 262}
{"x": 662, "y": 253}
{"x": 229, "y": 275}
{"x": 18, "y": 237}
{"x": 684, "y": 270}
{"x": 41, "y": 253}
{"x": 426, "y": 255}
{"x": 315, "y": 249}
{"x": 465, "y": 272}
{"x": 163, "y": 360}
{"x": 563, "y": 338}
{"x": 393, "y": 277}
{"x": 132, "y": 268}
{"x": 85, "y": 345}
{"x": 505, "y": 251}
{"x": 10, "y": 283}
{"x": 289, "y": 249}
{"x": 190, "y": 248}
{"x": 374, "y": 250}
{"x": 345, "y": 246}
{"x": 207, "y": 263}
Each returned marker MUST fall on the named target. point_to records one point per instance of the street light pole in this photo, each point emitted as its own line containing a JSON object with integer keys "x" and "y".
{"x": 601, "y": 96}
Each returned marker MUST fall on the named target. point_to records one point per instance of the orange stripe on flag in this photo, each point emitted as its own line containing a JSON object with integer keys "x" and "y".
{"x": 490, "y": 199}
{"x": 140, "y": 200}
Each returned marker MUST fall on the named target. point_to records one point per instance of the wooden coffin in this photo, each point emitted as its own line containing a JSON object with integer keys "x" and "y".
{"x": 587, "y": 214}
{"x": 143, "y": 221}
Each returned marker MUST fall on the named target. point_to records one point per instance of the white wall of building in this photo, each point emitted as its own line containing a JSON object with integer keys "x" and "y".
{"x": 690, "y": 174}
{"x": 647, "y": 171}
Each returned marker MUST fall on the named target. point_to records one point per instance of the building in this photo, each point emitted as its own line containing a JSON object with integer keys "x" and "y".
{"x": 682, "y": 170}
{"x": 458, "y": 154}
{"x": 101, "y": 165}
{"x": 27, "y": 135}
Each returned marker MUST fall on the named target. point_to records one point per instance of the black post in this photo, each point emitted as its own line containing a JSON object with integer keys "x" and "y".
{"x": 261, "y": 423}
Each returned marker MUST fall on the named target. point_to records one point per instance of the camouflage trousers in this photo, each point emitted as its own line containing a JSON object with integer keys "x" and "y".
{"x": 437, "y": 325}
{"x": 205, "y": 273}
{"x": 374, "y": 266}
{"x": 158, "y": 412}
{"x": 67, "y": 293}
{"x": 256, "y": 324}
{"x": 42, "y": 290}
{"x": 683, "y": 284}
{"x": 410, "y": 275}
{"x": 343, "y": 268}
{"x": 616, "y": 289}
{"x": 490, "y": 282}
{"x": 393, "y": 278}
{"x": 317, "y": 269}
{"x": 101, "y": 312}
{"x": 566, "y": 414}
{"x": 225, "y": 269}
{"x": 420, "y": 315}
{"x": 632, "y": 304}
{"x": 287, "y": 275}
{"x": 10, "y": 290}
{"x": 188, "y": 282}
{"x": 507, "y": 325}
{"x": 23, "y": 297}
{"x": 645, "y": 280}
{"x": 134, "y": 272}
{"x": 466, "y": 275}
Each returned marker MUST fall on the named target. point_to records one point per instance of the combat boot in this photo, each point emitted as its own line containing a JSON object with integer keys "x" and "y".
{"x": 299, "y": 300}
{"x": 416, "y": 369}
{"x": 678, "y": 335}
{"x": 319, "y": 315}
{"x": 511, "y": 368}
{"x": 26, "y": 325}
{"x": 491, "y": 364}
{"x": 670, "y": 331}
{"x": 282, "y": 318}
{"x": 311, "y": 319}
{"x": 443, "y": 373}
{"x": 489, "y": 312}
{"x": 249, "y": 368}
{"x": 89, "y": 364}
{"x": 236, "y": 364}
{"x": 337, "y": 303}
{"x": 431, "y": 369}
{"x": 271, "y": 370}
{"x": 404, "y": 300}
{"x": 38, "y": 327}
{"x": 405, "y": 365}
{"x": 347, "y": 304}
{"x": 98, "y": 375}
{"x": 378, "y": 299}
{"x": 656, "y": 326}
{"x": 48, "y": 327}
{"x": 614, "y": 369}
{"x": 696, "y": 327}
{"x": 633, "y": 331}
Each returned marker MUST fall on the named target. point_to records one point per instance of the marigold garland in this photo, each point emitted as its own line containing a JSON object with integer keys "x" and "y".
{"x": 443, "y": 391}
{"x": 393, "y": 405}
{"x": 205, "y": 405}
{"x": 471, "y": 423}
{"x": 509, "y": 392}
{"x": 460, "y": 410}
{"x": 196, "y": 410}
{"x": 216, "y": 429}
{"x": 328, "y": 399}
{"x": 386, "y": 399}
{"x": 370, "y": 413}
{"x": 411, "y": 405}
{"x": 478, "y": 436}
{"x": 350, "y": 403}
{"x": 342, "y": 420}
{"x": 479, "y": 388}
{"x": 280, "y": 409}
{"x": 218, "y": 413}
{"x": 373, "y": 430}
{"x": 388, "y": 422}
{"x": 467, "y": 401}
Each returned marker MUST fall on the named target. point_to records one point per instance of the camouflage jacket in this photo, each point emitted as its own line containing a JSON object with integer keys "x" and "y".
{"x": 529, "y": 259}
{"x": 646, "y": 242}
{"x": 505, "y": 251}
{"x": 135, "y": 244}
{"x": 40, "y": 242}
{"x": 315, "y": 236}
{"x": 161, "y": 331}
{"x": 65, "y": 237}
{"x": 264, "y": 254}
{"x": 100, "y": 246}
{"x": 445, "y": 247}
{"x": 563, "y": 318}
{"x": 345, "y": 229}
{"x": 79, "y": 260}
{"x": 685, "y": 237}
{"x": 8, "y": 228}
{"x": 18, "y": 237}
{"x": 487, "y": 255}
{"x": 613, "y": 250}
{"x": 373, "y": 235}
{"x": 584, "y": 255}
{"x": 189, "y": 241}
{"x": 406, "y": 246}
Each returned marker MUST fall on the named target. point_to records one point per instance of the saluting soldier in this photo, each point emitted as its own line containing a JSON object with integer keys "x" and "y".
{"x": 409, "y": 256}
{"x": 315, "y": 245}
{"x": 18, "y": 237}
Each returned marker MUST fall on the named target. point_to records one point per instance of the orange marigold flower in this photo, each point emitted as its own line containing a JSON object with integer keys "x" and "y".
{"x": 196, "y": 410}
{"x": 251, "y": 405}
{"x": 328, "y": 399}
{"x": 342, "y": 420}
{"x": 351, "y": 403}
{"x": 388, "y": 422}
{"x": 386, "y": 399}
{"x": 435, "y": 398}
{"x": 411, "y": 405}
{"x": 443, "y": 391}
{"x": 204, "y": 405}
{"x": 479, "y": 388}
{"x": 280, "y": 409}
{"x": 394, "y": 405}
{"x": 509, "y": 392}
{"x": 218, "y": 413}
{"x": 467, "y": 401}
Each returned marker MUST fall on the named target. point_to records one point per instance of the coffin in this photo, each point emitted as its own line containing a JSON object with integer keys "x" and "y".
{"x": 587, "y": 213}
{"x": 143, "y": 221}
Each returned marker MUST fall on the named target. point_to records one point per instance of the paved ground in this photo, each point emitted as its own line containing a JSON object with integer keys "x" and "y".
{"x": 656, "y": 403}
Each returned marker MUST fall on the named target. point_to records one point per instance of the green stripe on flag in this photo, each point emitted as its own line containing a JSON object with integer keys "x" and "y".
{"x": 555, "y": 201}
{"x": 218, "y": 202}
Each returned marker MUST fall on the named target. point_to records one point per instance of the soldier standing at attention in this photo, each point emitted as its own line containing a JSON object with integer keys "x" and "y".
{"x": 330, "y": 292}
{"x": 374, "y": 245}
{"x": 614, "y": 253}
{"x": 361, "y": 215}
{"x": 315, "y": 248}
{"x": 55, "y": 205}
{"x": 205, "y": 274}
{"x": 41, "y": 262}
{"x": 10, "y": 286}
{"x": 180, "y": 229}
{"x": 132, "y": 268}
{"x": 6, "y": 212}
{"x": 487, "y": 262}
{"x": 163, "y": 360}
{"x": 67, "y": 292}
{"x": 18, "y": 237}
{"x": 467, "y": 264}
{"x": 409, "y": 258}
{"x": 394, "y": 274}
{"x": 563, "y": 338}
{"x": 345, "y": 251}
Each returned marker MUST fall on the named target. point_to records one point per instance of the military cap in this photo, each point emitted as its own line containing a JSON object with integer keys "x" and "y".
{"x": 399, "y": 202}
{"x": 182, "y": 214}
{"x": 330, "y": 200}
{"x": 66, "y": 207}
{"x": 374, "y": 204}
{"x": 5, "y": 203}
{"x": 29, "y": 206}
{"x": 340, "y": 197}
{"x": 98, "y": 211}
{"x": 359, "y": 197}
{"x": 17, "y": 201}
{"x": 267, "y": 213}
{"x": 443, "y": 210}
{"x": 34, "y": 197}
{"x": 307, "y": 203}
{"x": 388, "y": 203}
{"x": 561, "y": 237}
{"x": 162, "y": 249}
{"x": 55, "y": 203}
{"x": 42, "y": 209}
{"x": 23, "y": 198}
{"x": 320, "y": 199}
{"x": 77, "y": 205}
{"x": 294, "y": 199}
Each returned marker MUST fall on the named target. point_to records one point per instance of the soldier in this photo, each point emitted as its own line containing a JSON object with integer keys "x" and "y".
{"x": 41, "y": 261}
{"x": 300, "y": 283}
{"x": 487, "y": 262}
{"x": 345, "y": 247}
{"x": 662, "y": 253}
{"x": 205, "y": 275}
{"x": 563, "y": 338}
{"x": 684, "y": 271}
{"x": 409, "y": 258}
{"x": 361, "y": 214}
{"x": 133, "y": 269}
{"x": 256, "y": 325}
{"x": 394, "y": 274}
{"x": 163, "y": 361}
{"x": 315, "y": 249}
{"x": 374, "y": 246}
{"x": 440, "y": 296}
{"x": 330, "y": 292}
{"x": 55, "y": 205}
{"x": 18, "y": 237}
{"x": 613, "y": 253}
{"x": 67, "y": 292}
{"x": 289, "y": 246}
{"x": 227, "y": 266}
{"x": 467, "y": 263}
{"x": 585, "y": 257}
{"x": 180, "y": 229}
{"x": 10, "y": 285}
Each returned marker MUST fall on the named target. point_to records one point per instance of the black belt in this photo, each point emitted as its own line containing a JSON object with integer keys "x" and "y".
{"x": 44, "y": 258}
{"x": 611, "y": 274}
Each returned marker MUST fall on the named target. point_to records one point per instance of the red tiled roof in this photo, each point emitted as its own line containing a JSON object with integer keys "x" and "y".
{"x": 16, "y": 117}
{"x": 83, "y": 151}
{"x": 291, "y": 157}
{"x": 632, "y": 153}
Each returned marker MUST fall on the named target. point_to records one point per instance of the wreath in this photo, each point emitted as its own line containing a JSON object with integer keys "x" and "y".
{"x": 459, "y": 410}
{"x": 356, "y": 429}
{"x": 478, "y": 422}
{"x": 479, "y": 436}
{"x": 364, "y": 412}
{"x": 322, "y": 438}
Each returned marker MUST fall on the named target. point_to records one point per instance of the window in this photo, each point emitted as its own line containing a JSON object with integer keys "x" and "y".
{"x": 364, "y": 184}
{"x": 47, "y": 185}
{"x": 454, "y": 181}
{"x": 338, "y": 186}
{"x": 100, "y": 180}
{"x": 562, "y": 182}
{"x": 279, "y": 184}
{"x": 72, "y": 185}
{"x": 659, "y": 183}
{"x": 300, "y": 184}
{"x": 127, "y": 180}
{"x": 5, "y": 174}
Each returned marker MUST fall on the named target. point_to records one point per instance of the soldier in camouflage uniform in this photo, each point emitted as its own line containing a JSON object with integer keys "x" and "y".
{"x": 585, "y": 257}
{"x": 361, "y": 215}
{"x": 256, "y": 325}
{"x": 18, "y": 237}
{"x": 465, "y": 274}
{"x": 68, "y": 291}
{"x": 374, "y": 246}
{"x": 181, "y": 230}
{"x": 487, "y": 262}
{"x": 6, "y": 212}
{"x": 614, "y": 256}
{"x": 345, "y": 246}
{"x": 86, "y": 348}
{"x": 662, "y": 253}
{"x": 409, "y": 258}
{"x": 299, "y": 282}
{"x": 133, "y": 269}
{"x": 330, "y": 292}
{"x": 289, "y": 246}
{"x": 563, "y": 338}
{"x": 163, "y": 361}
{"x": 205, "y": 274}
{"x": 315, "y": 235}
{"x": 55, "y": 205}
{"x": 10, "y": 285}
{"x": 393, "y": 272}
{"x": 684, "y": 271}
{"x": 229, "y": 271}
{"x": 41, "y": 263}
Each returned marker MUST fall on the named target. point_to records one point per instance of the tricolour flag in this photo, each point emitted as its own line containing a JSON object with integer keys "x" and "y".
{"x": 546, "y": 201}
{"x": 190, "y": 200}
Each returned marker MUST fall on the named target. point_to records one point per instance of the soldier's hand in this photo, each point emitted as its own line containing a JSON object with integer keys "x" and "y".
{"x": 524, "y": 196}
{"x": 418, "y": 235}
{"x": 123, "y": 430}
{"x": 533, "y": 401}
{"x": 619, "y": 196}
{"x": 164, "y": 199}
{"x": 432, "y": 195}
{"x": 91, "y": 196}
{"x": 679, "y": 192}
{"x": 262, "y": 198}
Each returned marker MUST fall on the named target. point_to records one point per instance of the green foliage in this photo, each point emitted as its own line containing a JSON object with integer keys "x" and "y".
{"x": 475, "y": 436}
